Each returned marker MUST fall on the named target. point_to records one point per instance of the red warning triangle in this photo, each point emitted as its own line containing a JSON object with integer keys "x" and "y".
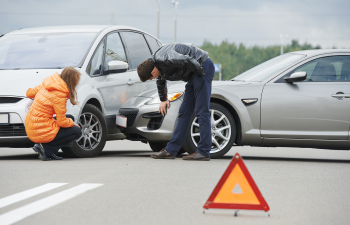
{"x": 236, "y": 190}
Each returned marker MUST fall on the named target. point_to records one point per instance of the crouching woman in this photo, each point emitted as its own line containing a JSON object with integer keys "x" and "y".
{"x": 50, "y": 98}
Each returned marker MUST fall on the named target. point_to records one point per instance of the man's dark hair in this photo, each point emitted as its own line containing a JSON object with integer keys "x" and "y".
{"x": 144, "y": 70}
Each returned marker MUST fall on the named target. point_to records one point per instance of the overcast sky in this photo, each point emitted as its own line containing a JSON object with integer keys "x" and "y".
{"x": 252, "y": 22}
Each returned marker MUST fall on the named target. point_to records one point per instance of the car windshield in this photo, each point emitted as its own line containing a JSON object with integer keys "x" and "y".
{"x": 269, "y": 68}
{"x": 43, "y": 51}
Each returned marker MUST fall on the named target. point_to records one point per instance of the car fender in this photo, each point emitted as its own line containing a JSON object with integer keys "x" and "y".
{"x": 249, "y": 116}
{"x": 85, "y": 93}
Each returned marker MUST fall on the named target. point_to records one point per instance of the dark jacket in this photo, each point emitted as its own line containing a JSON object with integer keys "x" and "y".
{"x": 177, "y": 62}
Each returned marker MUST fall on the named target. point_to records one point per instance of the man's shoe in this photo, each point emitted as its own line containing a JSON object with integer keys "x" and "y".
{"x": 40, "y": 150}
{"x": 55, "y": 157}
{"x": 162, "y": 154}
{"x": 196, "y": 156}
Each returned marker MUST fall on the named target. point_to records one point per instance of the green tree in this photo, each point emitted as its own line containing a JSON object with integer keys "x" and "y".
{"x": 236, "y": 59}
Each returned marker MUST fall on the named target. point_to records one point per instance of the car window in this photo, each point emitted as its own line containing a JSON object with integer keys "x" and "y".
{"x": 269, "y": 68}
{"x": 114, "y": 49}
{"x": 137, "y": 48}
{"x": 152, "y": 43}
{"x": 44, "y": 50}
{"x": 327, "y": 69}
{"x": 95, "y": 64}
{"x": 308, "y": 68}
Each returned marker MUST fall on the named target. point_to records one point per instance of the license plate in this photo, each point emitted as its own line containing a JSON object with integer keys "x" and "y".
{"x": 4, "y": 118}
{"x": 121, "y": 121}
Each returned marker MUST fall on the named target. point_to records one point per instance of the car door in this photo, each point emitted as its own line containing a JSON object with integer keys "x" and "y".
{"x": 113, "y": 87}
{"x": 138, "y": 51}
{"x": 312, "y": 109}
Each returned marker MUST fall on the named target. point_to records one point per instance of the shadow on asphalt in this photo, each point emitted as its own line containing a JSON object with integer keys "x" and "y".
{"x": 146, "y": 154}
{"x": 116, "y": 153}
{"x": 18, "y": 157}
{"x": 287, "y": 159}
{"x": 132, "y": 153}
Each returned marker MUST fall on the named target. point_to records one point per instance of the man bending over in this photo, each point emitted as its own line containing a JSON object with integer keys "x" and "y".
{"x": 175, "y": 62}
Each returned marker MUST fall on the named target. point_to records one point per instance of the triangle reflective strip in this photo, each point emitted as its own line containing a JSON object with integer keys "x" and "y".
{"x": 226, "y": 194}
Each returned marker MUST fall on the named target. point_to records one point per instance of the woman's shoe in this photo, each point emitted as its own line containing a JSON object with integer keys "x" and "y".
{"x": 40, "y": 150}
{"x": 36, "y": 150}
{"x": 55, "y": 157}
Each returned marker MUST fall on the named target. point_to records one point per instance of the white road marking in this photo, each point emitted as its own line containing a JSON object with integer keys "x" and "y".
{"x": 40, "y": 205}
{"x": 28, "y": 193}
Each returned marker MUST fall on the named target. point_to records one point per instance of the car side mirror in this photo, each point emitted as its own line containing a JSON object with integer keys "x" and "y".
{"x": 117, "y": 67}
{"x": 297, "y": 76}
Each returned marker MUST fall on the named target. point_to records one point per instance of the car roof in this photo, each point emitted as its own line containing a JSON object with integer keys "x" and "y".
{"x": 73, "y": 28}
{"x": 321, "y": 51}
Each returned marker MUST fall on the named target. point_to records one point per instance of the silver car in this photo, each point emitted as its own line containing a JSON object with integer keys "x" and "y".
{"x": 106, "y": 56}
{"x": 299, "y": 99}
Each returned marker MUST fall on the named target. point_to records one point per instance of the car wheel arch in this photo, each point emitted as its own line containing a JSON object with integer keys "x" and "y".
{"x": 92, "y": 99}
{"x": 235, "y": 115}
{"x": 95, "y": 102}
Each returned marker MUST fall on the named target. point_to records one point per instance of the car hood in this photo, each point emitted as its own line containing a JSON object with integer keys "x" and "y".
{"x": 181, "y": 87}
{"x": 17, "y": 82}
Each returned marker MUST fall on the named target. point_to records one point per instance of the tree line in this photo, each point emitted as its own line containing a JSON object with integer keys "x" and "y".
{"x": 236, "y": 59}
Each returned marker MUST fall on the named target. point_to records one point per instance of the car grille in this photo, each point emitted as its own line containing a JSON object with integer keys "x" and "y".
{"x": 131, "y": 119}
{"x": 130, "y": 114}
{"x": 155, "y": 122}
{"x": 12, "y": 130}
{"x": 6, "y": 100}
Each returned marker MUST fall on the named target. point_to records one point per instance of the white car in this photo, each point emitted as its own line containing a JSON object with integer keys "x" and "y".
{"x": 106, "y": 56}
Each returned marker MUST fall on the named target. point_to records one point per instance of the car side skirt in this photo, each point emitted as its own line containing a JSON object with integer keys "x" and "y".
{"x": 307, "y": 143}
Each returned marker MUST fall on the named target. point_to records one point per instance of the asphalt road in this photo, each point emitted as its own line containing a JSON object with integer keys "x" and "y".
{"x": 125, "y": 186}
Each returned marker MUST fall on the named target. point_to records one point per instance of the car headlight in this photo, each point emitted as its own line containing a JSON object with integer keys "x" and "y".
{"x": 172, "y": 97}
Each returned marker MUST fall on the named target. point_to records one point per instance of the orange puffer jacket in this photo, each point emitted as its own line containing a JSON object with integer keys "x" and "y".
{"x": 49, "y": 98}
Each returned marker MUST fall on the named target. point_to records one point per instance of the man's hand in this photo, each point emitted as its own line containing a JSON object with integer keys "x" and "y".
{"x": 163, "y": 106}
{"x": 76, "y": 125}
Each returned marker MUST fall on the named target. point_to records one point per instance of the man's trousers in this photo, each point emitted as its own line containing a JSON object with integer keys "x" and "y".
{"x": 197, "y": 99}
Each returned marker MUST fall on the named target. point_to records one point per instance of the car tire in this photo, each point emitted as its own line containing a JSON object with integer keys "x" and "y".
{"x": 190, "y": 144}
{"x": 157, "y": 146}
{"x": 93, "y": 139}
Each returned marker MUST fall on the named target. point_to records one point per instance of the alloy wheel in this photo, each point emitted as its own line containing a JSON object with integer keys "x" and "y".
{"x": 220, "y": 130}
{"x": 91, "y": 131}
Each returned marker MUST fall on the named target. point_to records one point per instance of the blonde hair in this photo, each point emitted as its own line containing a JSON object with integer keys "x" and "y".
{"x": 71, "y": 76}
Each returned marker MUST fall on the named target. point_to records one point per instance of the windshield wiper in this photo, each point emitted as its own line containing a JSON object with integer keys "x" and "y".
{"x": 238, "y": 80}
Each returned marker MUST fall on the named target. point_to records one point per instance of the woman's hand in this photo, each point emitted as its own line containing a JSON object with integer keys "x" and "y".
{"x": 163, "y": 106}
{"x": 76, "y": 125}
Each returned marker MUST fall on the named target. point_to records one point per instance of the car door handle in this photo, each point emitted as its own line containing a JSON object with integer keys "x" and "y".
{"x": 340, "y": 95}
{"x": 130, "y": 82}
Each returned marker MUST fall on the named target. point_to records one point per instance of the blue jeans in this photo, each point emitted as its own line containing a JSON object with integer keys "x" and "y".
{"x": 197, "y": 98}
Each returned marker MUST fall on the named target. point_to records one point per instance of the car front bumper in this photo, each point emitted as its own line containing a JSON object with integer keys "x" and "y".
{"x": 148, "y": 124}
{"x": 16, "y": 142}
{"x": 13, "y": 134}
